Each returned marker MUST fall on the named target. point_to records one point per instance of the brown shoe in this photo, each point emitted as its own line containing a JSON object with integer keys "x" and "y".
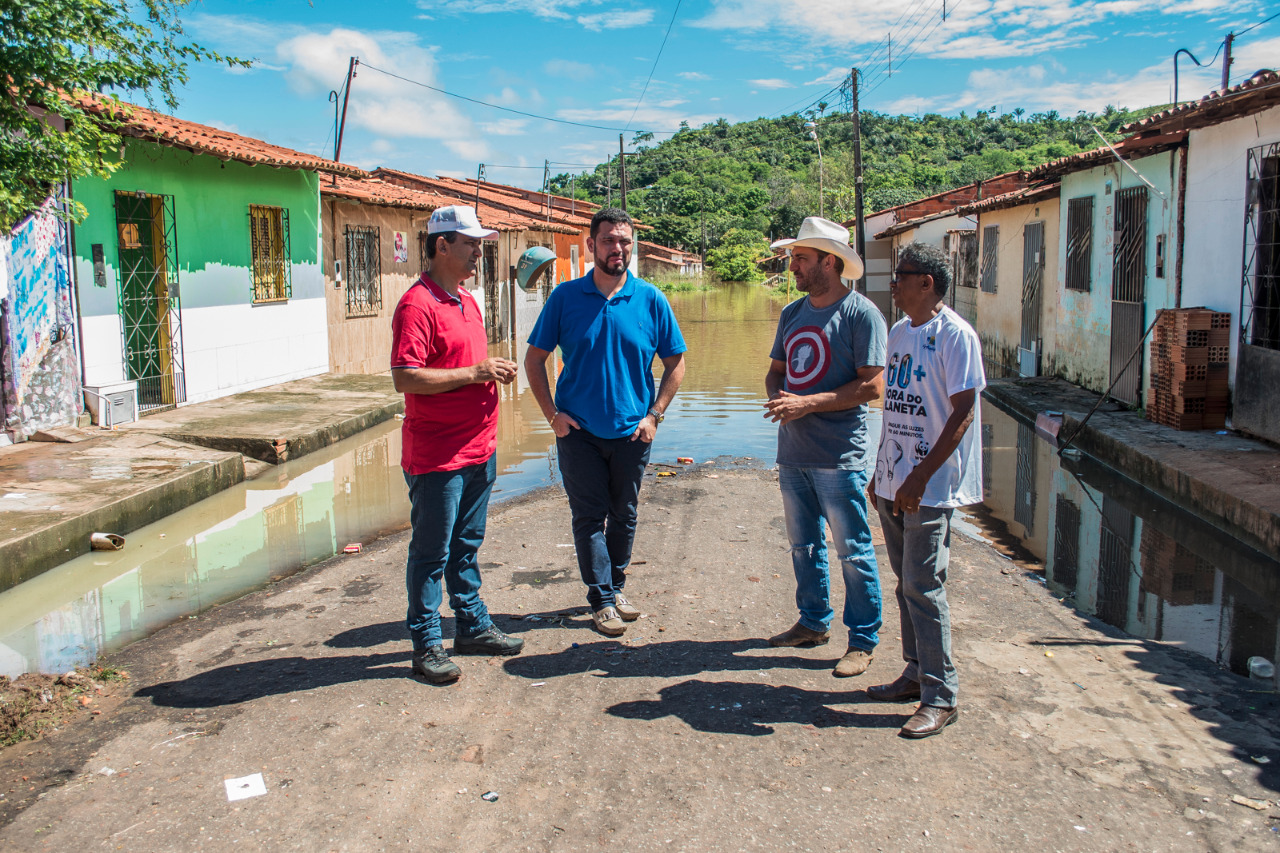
{"x": 628, "y": 611}
{"x": 854, "y": 662}
{"x": 799, "y": 635}
{"x": 928, "y": 720}
{"x": 901, "y": 689}
{"x": 608, "y": 622}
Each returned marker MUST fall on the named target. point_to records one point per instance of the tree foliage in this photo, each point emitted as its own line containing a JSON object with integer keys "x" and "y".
{"x": 736, "y": 256}
{"x": 762, "y": 176}
{"x": 54, "y": 54}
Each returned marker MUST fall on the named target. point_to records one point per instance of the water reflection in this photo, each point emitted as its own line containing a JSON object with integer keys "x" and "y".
{"x": 1122, "y": 553}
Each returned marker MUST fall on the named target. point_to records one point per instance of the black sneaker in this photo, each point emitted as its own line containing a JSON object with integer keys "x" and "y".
{"x": 434, "y": 665}
{"x": 490, "y": 641}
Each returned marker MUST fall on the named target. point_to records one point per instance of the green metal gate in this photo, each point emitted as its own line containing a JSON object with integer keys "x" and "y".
{"x": 149, "y": 299}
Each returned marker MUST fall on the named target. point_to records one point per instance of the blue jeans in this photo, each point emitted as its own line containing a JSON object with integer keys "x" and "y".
{"x": 602, "y": 480}
{"x": 448, "y": 511}
{"x": 811, "y": 499}
{"x": 919, "y": 546}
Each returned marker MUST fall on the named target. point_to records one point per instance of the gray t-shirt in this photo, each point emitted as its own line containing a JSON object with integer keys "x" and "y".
{"x": 823, "y": 349}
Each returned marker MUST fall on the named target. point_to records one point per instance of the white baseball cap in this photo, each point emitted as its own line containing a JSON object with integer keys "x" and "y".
{"x": 461, "y": 218}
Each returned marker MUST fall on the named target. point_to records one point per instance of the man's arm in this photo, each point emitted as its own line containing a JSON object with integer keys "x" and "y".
{"x": 535, "y": 367}
{"x": 785, "y": 406}
{"x": 775, "y": 379}
{"x": 907, "y": 498}
{"x": 437, "y": 380}
{"x": 672, "y": 376}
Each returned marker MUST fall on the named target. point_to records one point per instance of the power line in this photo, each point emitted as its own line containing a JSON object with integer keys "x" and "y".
{"x": 502, "y": 108}
{"x": 645, "y": 90}
{"x": 1260, "y": 23}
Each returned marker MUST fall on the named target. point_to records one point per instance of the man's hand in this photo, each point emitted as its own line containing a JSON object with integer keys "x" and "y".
{"x": 910, "y": 492}
{"x": 496, "y": 370}
{"x": 786, "y": 407}
{"x": 647, "y": 429}
{"x": 562, "y": 423}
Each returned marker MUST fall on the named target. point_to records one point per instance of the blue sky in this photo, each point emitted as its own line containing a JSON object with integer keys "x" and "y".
{"x": 588, "y": 61}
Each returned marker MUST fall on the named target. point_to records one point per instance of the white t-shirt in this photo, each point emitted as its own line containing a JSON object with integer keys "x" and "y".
{"x": 927, "y": 365}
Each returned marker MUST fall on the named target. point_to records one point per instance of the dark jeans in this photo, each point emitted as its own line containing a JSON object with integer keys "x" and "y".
{"x": 448, "y": 510}
{"x": 602, "y": 479}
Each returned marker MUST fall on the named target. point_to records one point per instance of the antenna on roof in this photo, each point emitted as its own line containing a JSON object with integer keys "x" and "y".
{"x": 479, "y": 180}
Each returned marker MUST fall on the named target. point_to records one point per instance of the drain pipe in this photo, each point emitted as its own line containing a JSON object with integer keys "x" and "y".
{"x": 1080, "y": 427}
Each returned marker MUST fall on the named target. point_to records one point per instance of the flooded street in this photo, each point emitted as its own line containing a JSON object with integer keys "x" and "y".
{"x": 1103, "y": 544}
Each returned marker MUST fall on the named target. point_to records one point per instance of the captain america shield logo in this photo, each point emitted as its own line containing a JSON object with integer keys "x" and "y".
{"x": 808, "y": 357}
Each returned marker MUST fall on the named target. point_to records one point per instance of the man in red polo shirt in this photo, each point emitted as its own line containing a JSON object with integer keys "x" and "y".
{"x": 440, "y": 361}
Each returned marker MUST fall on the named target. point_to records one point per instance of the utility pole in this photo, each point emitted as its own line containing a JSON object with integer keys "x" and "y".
{"x": 622, "y": 171}
{"x": 546, "y": 184}
{"x": 342, "y": 125}
{"x": 1226, "y": 61}
{"x": 608, "y": 179}
{"x": 860, "y": 237}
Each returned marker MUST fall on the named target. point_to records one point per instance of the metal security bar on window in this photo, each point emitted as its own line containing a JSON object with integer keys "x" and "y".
{"x": 269, "y": 253}
{"x": 364, "y": 271}
{"x": 149, "y": 298}
{"x": 990, "y": 250}
{"x": 1079, "y": 243}
{"x": 1260, "y": 287}
{"x": 1066, "y": 543}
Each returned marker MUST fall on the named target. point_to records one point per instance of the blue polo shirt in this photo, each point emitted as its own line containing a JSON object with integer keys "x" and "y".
{"x": 608, "y": 346}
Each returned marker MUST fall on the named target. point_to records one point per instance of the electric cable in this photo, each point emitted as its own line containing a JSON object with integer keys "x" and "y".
{"x": 645, "y": 90}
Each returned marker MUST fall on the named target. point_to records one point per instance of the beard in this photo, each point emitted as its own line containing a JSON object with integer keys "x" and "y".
{"x": 805, "y": 282}
{"x": 615, "y": 265}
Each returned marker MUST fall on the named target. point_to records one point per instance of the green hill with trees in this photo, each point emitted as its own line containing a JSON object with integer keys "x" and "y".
{"x": 727, "y": 183}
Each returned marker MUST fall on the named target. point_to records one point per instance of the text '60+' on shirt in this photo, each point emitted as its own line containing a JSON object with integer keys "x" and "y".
{"x": 928, "y": 364}
{"x": 454, "y": 429}
{"x": 608, "y": 346}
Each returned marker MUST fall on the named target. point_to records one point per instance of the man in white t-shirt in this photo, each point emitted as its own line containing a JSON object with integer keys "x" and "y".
{"x": 929, "y": 463}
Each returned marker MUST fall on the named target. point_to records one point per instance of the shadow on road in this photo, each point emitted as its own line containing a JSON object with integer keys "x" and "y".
{"x": 738, "y": 708}
{"x": 249, "y": 680}
{"x": 662, "y": 659}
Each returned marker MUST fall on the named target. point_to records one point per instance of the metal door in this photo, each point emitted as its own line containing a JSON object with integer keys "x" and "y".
{"x": 1115, "y": 559}
{"x": 1032, "y": 294}
{"x": 149, "y": 299}
{"x": 964, "y": 276}
{"x": 1128, "y": 293}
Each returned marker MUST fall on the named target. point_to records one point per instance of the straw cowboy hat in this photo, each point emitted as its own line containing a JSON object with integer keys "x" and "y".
{"x": 826, "y": 236}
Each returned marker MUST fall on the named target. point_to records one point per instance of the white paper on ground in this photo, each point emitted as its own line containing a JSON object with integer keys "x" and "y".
{"x": 245, "y": 787}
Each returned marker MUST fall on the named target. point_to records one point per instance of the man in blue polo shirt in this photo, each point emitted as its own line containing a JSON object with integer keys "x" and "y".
{"x": 608, "y": 325}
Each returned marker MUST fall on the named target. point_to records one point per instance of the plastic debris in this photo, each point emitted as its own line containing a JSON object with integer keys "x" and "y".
{"x": 1261, "y": 669}
{"x": 538, "y": 684}
{"x": 106, "y": 771}
{"x": 489, "y": 796}
{"x": 105, "y": 541}
{"x": 1260, "y": 759}
{"x": 1259, "y": 805}
{"x": 666, "y": 473}
{"x": 244, "y": 787}
{"x": 685, "y": 459}
{"x": 353, "y": 548}
{"x": 1048, "y": 654}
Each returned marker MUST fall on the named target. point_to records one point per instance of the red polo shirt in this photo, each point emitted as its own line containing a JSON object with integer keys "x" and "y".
{"x": 443, "y": 432}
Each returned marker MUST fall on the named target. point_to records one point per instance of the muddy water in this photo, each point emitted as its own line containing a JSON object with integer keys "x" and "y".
{"x": 1106, "y": 547}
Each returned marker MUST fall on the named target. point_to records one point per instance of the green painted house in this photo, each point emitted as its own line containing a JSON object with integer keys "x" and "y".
{"x": 198, "y": 267}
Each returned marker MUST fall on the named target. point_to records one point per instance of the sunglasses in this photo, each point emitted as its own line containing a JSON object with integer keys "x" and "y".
{"x": 898, "y": 274}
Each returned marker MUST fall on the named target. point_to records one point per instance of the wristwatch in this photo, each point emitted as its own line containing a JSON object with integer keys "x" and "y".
{"x": 658, "y": 417}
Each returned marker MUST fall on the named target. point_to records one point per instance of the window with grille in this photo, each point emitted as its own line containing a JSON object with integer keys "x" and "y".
{"x": 1260, "y": 305}
{"x": 990, "y": 248}
{"x": 1079, "y": 243}
{"x": 269, "y": 253}
{"x": 364, "y": 271}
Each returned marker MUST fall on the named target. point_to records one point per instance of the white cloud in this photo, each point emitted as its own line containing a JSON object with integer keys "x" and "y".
{"x": 229, "y": 127}
{"x": 693, "y": 75}
{"x": 616, "y": 20}
{"x": 382, "y": 105}
{"x": 569, "y": 68}
{"x": 772, "y": 83}
{"x": 658, "y": 118}
{"x": 547, "y": 9}
{"x": 505, "y": 127}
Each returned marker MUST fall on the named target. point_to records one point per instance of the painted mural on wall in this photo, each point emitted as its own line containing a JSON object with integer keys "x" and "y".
{"x": 40, "y": 365}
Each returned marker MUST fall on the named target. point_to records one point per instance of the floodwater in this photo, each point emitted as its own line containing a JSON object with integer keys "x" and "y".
{"x": 1116, "y": 551}
{"x": 1101, "y": 542}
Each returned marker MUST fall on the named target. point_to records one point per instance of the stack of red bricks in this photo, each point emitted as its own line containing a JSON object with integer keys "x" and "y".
{"x": 1189, "y": 369}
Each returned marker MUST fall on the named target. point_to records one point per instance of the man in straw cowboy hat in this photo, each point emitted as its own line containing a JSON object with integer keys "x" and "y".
{"x": 828, "y": 364}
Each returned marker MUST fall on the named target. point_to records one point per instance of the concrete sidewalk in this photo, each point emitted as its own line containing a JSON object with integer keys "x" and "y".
{"x": 689, "y": 734}
{"x": 54, "y": 495}
{"x": 1228, "y": 478}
